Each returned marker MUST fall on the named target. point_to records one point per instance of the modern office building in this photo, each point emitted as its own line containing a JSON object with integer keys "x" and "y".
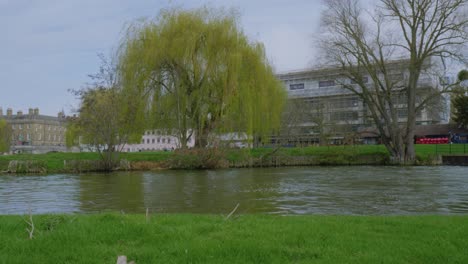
{"x": 320, "y": 106}
{"x": 35, "y": 133}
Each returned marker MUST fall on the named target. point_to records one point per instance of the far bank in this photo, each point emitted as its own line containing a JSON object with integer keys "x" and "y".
{"x": 344, "y": 155}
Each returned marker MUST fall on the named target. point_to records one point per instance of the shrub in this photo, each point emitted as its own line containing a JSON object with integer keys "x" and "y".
{"x": 207, "y": 158}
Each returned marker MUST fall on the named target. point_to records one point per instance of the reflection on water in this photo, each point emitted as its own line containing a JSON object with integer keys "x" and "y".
{"x": 311, "y": 190}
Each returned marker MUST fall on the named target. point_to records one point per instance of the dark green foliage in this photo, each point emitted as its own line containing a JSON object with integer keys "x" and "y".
{"x": 209, "y": 158}
{"x": 243, "y": 239}
{"x": 460, "y": 104}
{"x": 462, "y": 75}
{"x": 5, "y": 136}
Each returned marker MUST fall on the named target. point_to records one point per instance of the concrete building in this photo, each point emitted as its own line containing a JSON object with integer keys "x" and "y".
{"x": 325, "y": 107}
{"x": 35, "y": 133}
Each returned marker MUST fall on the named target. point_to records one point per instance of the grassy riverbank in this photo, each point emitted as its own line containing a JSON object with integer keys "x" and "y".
{"x": 243, "y": 239}
{"x": 314, "y": 155}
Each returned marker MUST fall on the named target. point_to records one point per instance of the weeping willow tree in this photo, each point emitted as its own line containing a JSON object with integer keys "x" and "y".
{"x": 197, "y": 74}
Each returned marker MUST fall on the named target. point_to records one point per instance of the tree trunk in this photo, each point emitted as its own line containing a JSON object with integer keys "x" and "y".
{"x": 201, "y": 139}
{"x": 410, "y": 155}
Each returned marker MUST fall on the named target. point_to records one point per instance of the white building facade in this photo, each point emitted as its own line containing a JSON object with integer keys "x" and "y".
{"x": 156, "y": 140}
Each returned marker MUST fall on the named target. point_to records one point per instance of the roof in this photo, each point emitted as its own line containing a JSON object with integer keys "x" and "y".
{"x": 32, "y": 117}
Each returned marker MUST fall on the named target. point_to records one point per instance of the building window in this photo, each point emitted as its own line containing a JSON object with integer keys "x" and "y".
{"x": 396, "y": 76}
{"x": 344, "y": 116}
{"x": 345, "y": 102}
{"x": 402, "y": 113}
{"x": 147, "y": 141}
{"x": 163, "y": 140}
{"x": 20, "y": 126}
{"x": 365, "y": 79}
{"x": 152, "y": 140}
{"x": 159, "y": 140}
{"x": 168, "y": 141}
{"x": 28, "y": 136}
{"x": 326, "y": 83}
{"x": 297, "y": 86}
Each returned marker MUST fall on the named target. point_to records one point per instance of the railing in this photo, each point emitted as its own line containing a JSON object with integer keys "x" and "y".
{"x": 451, "y": 149}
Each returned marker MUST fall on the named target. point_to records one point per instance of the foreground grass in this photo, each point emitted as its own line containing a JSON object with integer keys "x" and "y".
{"x": 246, "y": 239}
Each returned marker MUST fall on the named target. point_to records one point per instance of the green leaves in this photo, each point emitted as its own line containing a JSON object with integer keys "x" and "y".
{"x": 195, "y": 70}
{"x": 5, "y": 136}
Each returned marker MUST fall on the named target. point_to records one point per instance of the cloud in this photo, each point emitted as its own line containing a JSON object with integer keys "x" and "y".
{"x": 50, "y": 46}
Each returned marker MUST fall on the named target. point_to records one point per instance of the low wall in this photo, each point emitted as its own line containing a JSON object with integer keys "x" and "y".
{"x": 37, "y": 149}
{"x": 458, "y": 160}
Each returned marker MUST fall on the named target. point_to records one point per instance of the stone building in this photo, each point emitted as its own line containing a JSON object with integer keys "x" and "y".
{"x": 35, "y": 133}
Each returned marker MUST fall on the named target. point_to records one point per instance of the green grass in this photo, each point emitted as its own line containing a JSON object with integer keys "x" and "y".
{"x": 246, "y": 239}
{"x": 334, "y": 153}
{"x": 55, "y": 160}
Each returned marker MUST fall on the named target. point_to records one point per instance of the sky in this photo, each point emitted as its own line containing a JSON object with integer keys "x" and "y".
{"x": 48, "y": 47}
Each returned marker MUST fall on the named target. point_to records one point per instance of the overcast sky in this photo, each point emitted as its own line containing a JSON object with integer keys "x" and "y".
{"x": 50, "y": 46}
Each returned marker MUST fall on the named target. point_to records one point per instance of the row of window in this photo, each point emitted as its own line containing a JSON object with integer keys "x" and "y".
{"x": 146, "y": 149}
{"x": 157, "y": 132}
{"x": 28, "y": 137}
{"x": 158, "y": 140}
{"x": 28, "y": 126}
{"x": 322, "y": 84}
{"x": 347, "y": 102}
{"x": 344, "y": 116}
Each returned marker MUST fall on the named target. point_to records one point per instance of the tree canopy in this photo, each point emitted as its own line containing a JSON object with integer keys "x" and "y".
{"x": 196, "y": 73}
{"x": 460, "y": 101}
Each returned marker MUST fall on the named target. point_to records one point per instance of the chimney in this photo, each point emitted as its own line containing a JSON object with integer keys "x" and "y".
{"x": 20, "y": 113}
{"x": 9, "y": 112}
{"x": 30, "y": 111}
{"x": 36, "y": 111}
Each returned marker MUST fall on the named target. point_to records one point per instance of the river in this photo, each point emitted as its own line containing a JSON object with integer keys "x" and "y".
{"x": 357, "y": 190}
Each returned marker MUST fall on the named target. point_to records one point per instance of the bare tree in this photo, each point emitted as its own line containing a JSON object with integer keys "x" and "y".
{"x": 368, "y": 47}
{"x": 107, "y": 119}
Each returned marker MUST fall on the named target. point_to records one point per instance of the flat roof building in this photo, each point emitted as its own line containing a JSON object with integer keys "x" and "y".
{"x": 321, "y": 107}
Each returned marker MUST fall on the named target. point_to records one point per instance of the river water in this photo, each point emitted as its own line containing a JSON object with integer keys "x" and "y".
{"x": 359, "y": 190}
